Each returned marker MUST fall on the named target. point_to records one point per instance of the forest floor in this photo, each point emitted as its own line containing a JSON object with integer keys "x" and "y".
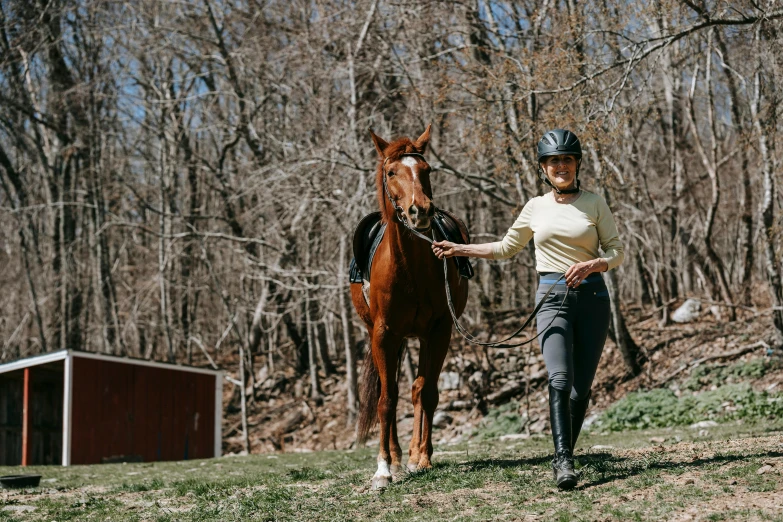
{"x": 683, "y": 358}
{"x": 733, "y": 472}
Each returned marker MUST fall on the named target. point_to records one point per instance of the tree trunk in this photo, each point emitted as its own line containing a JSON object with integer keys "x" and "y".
{"x": 767, "y": 211}
{"x": 632, "y": 355}
{"x": 351, "y": 384}
{"x": 315, "y": 387}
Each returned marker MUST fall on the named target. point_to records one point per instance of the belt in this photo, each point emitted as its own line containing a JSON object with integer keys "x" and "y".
{"x": 592, "y": 278}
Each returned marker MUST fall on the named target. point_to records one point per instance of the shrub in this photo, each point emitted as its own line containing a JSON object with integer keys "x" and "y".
{"x": 661, "y": 407}
{"x": 503, "y": 420}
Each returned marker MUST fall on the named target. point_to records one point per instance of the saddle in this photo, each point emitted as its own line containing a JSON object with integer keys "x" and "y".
{"x": 369, "y": 233}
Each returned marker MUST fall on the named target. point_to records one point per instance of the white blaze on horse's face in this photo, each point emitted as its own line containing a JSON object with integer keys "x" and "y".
{"x": 413, "y": 164}
{"x": 420, "y": 210}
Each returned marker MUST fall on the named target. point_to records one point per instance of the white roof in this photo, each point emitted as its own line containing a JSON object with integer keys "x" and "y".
{"x": 64, "y": 354}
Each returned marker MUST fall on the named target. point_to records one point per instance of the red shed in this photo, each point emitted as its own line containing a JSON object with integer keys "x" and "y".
{"x": 74, "y": 407}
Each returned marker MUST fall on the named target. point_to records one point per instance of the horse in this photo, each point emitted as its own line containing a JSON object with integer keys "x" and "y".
{"x": 407, "y": 300}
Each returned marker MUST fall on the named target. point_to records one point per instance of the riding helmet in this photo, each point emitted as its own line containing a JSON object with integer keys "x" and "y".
{"x": 555, "y": 143}
{"x": 559, "y": 141}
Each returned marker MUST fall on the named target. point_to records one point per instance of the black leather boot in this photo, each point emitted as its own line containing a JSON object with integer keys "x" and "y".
{"x": 578, "y": 412}
{"x": 560, "y": 418}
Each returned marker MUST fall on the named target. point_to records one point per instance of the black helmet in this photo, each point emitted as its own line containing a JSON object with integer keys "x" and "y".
{"x": 557, "y": 142}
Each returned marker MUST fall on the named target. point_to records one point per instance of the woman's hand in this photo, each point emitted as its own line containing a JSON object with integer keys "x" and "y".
{"x": 578, "y": 272}
{"x": 444, "y": 249}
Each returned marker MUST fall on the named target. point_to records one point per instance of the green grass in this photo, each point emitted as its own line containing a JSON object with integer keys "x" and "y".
{"x": 629, "y": 479}
{"x": 662, "y": 407}
{"x": 502, "y": 420}
{"x": 717, "y": 374}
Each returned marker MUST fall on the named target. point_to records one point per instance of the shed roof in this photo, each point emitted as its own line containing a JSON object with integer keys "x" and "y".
{"x": 64, "y": 354}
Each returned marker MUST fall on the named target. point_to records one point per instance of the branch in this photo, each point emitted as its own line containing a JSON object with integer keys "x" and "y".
{"x": 664, "y": 41}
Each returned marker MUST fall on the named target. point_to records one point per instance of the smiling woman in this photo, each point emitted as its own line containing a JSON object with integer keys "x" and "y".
{"x": 568, "y": 226}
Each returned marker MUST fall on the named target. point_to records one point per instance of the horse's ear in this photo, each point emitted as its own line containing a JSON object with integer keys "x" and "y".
{"x": 424, "y": 140}
{"x": 380, "y": 144}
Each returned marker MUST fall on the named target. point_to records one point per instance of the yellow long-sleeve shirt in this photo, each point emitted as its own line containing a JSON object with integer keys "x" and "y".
{"x": 564, "y": 234}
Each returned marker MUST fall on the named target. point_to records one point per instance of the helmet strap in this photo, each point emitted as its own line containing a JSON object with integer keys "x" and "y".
{"x": 565, "y": 191}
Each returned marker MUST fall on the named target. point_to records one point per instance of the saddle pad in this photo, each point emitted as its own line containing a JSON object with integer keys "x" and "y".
{"x": 366, "y": 238}
{"x": 369, "y": 233}
{"x": 454, "y": 230}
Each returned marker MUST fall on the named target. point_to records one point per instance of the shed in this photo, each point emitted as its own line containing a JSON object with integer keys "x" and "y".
{"x": 71, "y": 407}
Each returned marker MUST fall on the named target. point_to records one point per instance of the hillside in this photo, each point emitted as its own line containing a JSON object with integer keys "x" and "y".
{"x": 703, "y": 356}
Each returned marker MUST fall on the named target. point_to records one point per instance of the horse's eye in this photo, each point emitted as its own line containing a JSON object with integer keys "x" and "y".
{"x": 390, "y": 173}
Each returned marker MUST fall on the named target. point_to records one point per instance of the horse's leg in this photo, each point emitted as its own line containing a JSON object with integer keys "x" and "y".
{"x": 418, "y": 383}
{"x": 394, "y": 442}
{"x": 438, "y": 348}
{"x": 384, "y": 350}
{"x": 394, "y": 446}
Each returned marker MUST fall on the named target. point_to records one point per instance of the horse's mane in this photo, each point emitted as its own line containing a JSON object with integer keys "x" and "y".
{"x": 393, "y": 152}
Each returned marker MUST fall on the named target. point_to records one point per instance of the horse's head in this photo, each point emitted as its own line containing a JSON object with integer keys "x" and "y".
{"x": 406, "y": 175}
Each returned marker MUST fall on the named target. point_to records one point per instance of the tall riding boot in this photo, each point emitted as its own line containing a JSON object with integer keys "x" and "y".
{"x": 578, "y": 412}
{"x": 560, "y": 418}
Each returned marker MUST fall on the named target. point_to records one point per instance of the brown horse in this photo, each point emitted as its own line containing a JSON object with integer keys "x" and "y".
{"x": 407, "y": 299}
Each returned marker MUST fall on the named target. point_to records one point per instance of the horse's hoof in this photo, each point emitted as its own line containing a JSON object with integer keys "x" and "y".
{"x": 395, "y": 469}
{"x": 381, "y": 482}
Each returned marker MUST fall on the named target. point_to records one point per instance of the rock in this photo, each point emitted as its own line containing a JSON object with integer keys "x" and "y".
{"x": 589, "y": 421}
{"x": 657, "y": 440}
{"x": 263, "y": 374}
{"x": 476, "y": 377}
{"x": 514, "y": 436}
{"x": 448, "y": 381}
{"x": 704, "y": 424}
{"x": 19, "y": 508}
{"x": 687, "y": 312}
{"x": 764, "y": 469}
{"x": 459, "y": 405}
{"x": 538, "y": 426}
{"x": 441, "y": 419}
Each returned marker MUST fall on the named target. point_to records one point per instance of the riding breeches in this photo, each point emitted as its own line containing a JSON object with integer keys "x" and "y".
{"x": 575, "y": 327}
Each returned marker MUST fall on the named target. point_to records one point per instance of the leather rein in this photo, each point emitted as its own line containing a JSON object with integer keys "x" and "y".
{"x": 461, "y": 329}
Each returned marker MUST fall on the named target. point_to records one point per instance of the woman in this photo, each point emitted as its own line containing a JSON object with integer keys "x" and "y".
{"x": 567, "y": 225}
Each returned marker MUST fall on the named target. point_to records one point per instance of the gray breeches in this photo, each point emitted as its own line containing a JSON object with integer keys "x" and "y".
{"x": 572, "y": 345}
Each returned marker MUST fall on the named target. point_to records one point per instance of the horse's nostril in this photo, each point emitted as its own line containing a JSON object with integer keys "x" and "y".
{"x": 413, "y": 210}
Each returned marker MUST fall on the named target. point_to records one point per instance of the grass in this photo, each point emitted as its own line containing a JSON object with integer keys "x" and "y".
{"x": 662, "y": 407}
{"x": 623, "y": 477}
{"x": 719, "y": 374}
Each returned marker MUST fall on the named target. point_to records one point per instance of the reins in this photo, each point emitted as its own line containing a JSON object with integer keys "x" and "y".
{"x": 461, "y": 329}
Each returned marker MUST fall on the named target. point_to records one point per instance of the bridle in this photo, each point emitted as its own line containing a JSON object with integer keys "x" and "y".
{"x": 398, "y": 210}
{"x": 461, "y": 329}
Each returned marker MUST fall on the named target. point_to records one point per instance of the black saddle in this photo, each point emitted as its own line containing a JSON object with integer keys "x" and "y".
{"x": 369, "y": 232}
